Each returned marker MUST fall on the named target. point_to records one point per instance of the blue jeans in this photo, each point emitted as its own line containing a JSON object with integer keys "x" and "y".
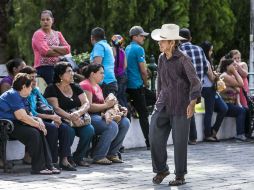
{"x": 46, "y": 72}
{"x": 239, "y": 113}
{"x": 53, "y": 135}
{"x": 111, "y": 136}
{"x": 121, "y": 93}
{"x": 213, "y": 102}
{"x": 85, "y": 135}
{"x": 221, "y": 108}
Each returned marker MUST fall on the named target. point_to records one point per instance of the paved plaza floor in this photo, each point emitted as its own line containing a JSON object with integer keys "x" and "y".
{"x": 228, "y": 165}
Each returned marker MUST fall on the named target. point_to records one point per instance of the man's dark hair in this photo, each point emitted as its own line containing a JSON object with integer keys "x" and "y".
{"x": 98, "y": 34}
{"x": 185, "y": 33}
{"x": 21, "y": 79}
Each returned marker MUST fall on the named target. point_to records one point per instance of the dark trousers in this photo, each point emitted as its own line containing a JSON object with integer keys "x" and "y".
{"x": 193, "y": 129}
{"x": 239, "y": 113}
{"x": 109, "y": 88}
{"x": 36, "y": 144}
{"x": 46, "y": 72}
{"x": 121, "y": 93}
{"x": 137, "y": 96}
{"x": 160, "y": 128}
{"x": 53, "y": 135}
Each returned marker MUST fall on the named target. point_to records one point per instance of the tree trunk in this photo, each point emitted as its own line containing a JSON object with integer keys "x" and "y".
{"x": 3, "y": 30}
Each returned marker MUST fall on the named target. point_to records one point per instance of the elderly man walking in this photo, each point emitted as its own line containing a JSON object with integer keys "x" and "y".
{"x": 178, "y": 88}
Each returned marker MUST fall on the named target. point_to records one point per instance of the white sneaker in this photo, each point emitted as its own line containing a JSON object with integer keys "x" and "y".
{"x": 240, "y": 137}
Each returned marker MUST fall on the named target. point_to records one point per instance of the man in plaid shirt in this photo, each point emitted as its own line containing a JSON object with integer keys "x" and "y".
{"x": 199, "y": 62}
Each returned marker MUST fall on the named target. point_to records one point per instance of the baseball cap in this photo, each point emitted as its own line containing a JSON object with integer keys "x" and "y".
{"x": 137, "y": 30}
{"x": 185, "y": 33}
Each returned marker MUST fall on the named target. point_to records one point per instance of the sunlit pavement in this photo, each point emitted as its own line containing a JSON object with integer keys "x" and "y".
{"x": 225, "y": 165}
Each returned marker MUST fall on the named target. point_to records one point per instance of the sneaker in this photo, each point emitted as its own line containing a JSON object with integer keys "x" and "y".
{"x": 241, "y": 137}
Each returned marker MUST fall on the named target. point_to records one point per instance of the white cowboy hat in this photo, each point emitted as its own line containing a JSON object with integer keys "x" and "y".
{"x": 167, "y": 32}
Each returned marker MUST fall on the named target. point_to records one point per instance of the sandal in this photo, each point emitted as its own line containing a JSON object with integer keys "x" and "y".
{"x": 114, "y": 159}
{"x": 55, "y": 170}
{"x": 103, "y": 161}
{"x": 83, "y": 163}
{"x": 160, "y": 176}
{"x": 177, "y": 181}
{"x": 42, "y": 172}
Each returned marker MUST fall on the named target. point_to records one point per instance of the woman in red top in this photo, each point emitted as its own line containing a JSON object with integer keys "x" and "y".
{"x": 112, "y": 134}
{"x": 48, "y": 45}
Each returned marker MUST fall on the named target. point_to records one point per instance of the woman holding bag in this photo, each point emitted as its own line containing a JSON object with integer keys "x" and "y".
{"x": 70, "y": 103}
{"x": 111, "y": 134}
{"x": 48, "y": 45}
{"x": 213, "y": 101}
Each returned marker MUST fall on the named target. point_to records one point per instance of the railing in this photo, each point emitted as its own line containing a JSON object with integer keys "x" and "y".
{"x": 251, "y": 86}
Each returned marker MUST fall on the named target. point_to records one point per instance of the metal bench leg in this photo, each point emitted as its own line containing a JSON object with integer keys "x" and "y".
{"x": 3, "y": 141}
{"x": 6, "y": 127}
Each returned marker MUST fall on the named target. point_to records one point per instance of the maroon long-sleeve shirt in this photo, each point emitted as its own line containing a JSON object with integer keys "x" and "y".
{"x": 177, "y": 83}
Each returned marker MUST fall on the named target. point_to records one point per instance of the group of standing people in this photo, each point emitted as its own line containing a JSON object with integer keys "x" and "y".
{"x": 183, "y": 68}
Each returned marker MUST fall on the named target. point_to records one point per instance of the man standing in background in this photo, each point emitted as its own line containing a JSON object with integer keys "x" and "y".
{"x": 137, "y": 77}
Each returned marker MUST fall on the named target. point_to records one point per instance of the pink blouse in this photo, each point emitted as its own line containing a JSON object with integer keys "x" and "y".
{"x": 246, "y": 88}
{"x": 41, "y": 43}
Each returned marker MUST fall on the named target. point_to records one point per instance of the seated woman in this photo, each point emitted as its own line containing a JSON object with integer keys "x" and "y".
{"x": 230, "y": 95}
{"x": 112, "y": 134}
{"x": 213, "y": 102}
{"x": 13, "y": 68}
{"x": 70, "y": 103}
{"x": 56, "y": 129}
{"x": 29, "y": 130}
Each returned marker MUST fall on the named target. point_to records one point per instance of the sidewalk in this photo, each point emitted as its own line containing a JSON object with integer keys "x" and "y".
{"x": 228, "y": 165}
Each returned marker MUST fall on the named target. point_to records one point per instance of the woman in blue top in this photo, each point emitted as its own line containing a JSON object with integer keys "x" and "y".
{"x": 56, "y": 129}
{"x": 29, "y": 130}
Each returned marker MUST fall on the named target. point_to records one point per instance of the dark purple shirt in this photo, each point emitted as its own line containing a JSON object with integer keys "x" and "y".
{"x": 7, "y": 79}
{"x": 177, "y": 83}
{"x": 119, "y": 67}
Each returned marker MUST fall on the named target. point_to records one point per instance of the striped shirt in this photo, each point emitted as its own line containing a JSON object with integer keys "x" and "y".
{"x": 198, "y": 58}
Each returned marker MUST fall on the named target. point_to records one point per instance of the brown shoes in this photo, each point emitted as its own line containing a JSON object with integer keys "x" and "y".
{"x": 115, "y": 159}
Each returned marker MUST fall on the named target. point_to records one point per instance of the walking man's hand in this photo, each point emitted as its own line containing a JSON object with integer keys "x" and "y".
{"x": 191, "y": 109}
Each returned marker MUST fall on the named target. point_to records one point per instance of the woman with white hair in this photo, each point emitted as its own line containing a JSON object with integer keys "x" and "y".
{"x": 178, "y": 88}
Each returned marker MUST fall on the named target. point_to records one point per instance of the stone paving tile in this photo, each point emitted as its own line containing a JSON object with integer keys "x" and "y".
{"x": 227, "y": 165}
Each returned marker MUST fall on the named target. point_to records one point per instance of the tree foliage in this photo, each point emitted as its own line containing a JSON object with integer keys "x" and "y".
{"x": 218, "y": 21}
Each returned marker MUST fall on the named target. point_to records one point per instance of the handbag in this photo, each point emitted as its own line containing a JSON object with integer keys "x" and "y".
{"x": 85, "y": 118}
{"x": 42, "y": 108}
{"x": 219, "y": 84}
